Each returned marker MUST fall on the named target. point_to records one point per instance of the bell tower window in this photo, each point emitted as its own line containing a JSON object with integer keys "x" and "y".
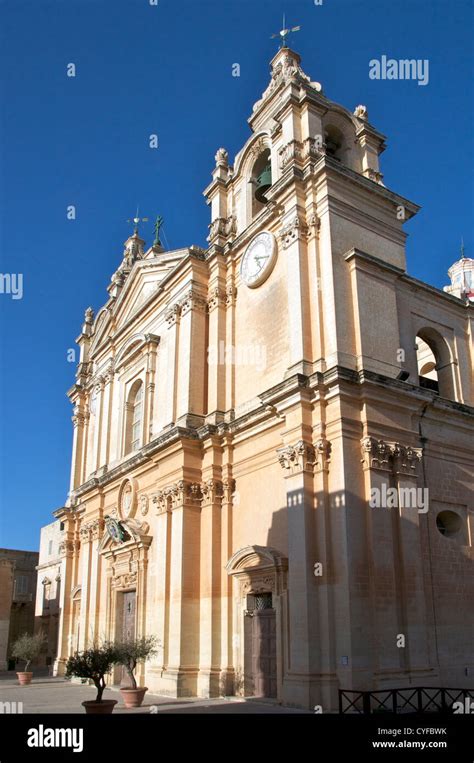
{"x": 261, "y": 181}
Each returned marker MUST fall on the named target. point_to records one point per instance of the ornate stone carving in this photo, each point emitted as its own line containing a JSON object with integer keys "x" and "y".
{"x": 297, "y": 458}
{"x": 176, "y": 495}
{"x": 222, "y": 226}
{"x": 66, "y": 548}
{"x": 390, "y": 456}
{"x": 285, "y": 69}
{"x": 222, "y": 158}
{"x": 143, "y": 501}
{"x": 361, "y": 112}
{"x": 375, "y": 453}
{"x": 293, "y": 231}
{"x": 300, "y": 151}
{"x": 323, "y": 454}
{"x": 126, "y": 580}
{"x": 212, "y": 491}
{"x": 172, "y": 316}
{"x": 374, "y": 175}
{"x": 193, "y": 301}
{"x": 258, "y": 147}
{"x": 217, "y": 297}
{"x": 406, "y": 459}
{"x": 92, "y": 530}
{"x": 230, "y": 295}
{"x": 292, "y": 151}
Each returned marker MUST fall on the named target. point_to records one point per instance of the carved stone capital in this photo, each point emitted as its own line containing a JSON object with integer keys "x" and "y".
{"x": 193, "y": 301}
{"x": 406, "y": 459}
{"x": 376, "y": 454}
{"x": 390, "y": 456}
{"x": 211, "y": 491}
{"x": 230, "y": 295}
{"x": 176, "y": 495}
{"x": 217, "y": 297}
{"x": 172, "y": 316}
{"x": 229, "y": 488}
{"x": 66, "y": 548}
{"x": 293, "y": 231}
{"x": 300, "y": 457}
{"x": 323, "y": 454}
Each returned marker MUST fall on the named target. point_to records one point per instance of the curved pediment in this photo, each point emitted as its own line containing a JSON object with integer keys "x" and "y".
{"x": 255, "y": 556}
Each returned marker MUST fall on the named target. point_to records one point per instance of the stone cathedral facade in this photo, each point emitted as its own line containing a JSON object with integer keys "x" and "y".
{"x": 272, "y": 459}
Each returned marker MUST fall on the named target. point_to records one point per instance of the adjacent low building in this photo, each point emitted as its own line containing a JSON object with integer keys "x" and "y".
{"x": 48, "y": 592}
{"x": 17, "y": 599}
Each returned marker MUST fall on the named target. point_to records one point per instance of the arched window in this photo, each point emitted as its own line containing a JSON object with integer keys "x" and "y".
{"x": 261, "y": 181}
{"x": 134, "y": 418}
{"x": 427, "y": 373}
{"x": 334, "y": 141}
{"x": 435, "y": 366}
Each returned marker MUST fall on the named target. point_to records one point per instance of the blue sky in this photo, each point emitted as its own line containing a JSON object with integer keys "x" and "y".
{"x": 167, "y": 69}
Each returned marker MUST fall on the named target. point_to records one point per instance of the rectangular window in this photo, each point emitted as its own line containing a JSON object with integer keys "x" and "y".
{"x": 21, "y": 585}
{"x": 50, "y": 548}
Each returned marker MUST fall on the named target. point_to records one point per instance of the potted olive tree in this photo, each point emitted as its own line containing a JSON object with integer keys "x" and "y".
{"x": 130, "y": 653}
{"x": 27, "y": 647}
{"x": 94, "y": 663}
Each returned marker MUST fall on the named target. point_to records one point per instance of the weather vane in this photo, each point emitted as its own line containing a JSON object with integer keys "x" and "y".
{"x": 158, "y": 224}
{"x": 284, "y": 32}
{"x": 136, "y": 220}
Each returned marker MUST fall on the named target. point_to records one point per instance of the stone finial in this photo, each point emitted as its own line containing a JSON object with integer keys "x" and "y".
{"x": 222, "y": 158}
{"x": 361, "y": 112}
{"x": 89, "y": 316}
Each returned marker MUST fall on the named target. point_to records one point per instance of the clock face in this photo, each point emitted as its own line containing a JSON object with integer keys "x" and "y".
{"x": 258, "y": 259}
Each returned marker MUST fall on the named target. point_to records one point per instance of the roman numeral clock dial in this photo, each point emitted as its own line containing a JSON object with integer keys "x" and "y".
{"x": 258, "y": 259}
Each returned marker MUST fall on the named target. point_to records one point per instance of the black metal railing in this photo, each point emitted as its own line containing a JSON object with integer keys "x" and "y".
{"x": 412, "y": 699}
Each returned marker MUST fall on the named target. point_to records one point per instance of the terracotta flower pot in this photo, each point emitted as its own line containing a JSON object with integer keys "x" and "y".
{"x": 99, "y": 708}
{"x": 24, "y": 678}
{"x": 133, "y": 697}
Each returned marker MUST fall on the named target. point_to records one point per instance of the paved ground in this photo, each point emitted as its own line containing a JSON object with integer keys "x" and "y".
{"x": 55, "y": 695}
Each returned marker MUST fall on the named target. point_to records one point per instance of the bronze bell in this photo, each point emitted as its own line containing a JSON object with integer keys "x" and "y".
{"x": 264, "y": 182}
